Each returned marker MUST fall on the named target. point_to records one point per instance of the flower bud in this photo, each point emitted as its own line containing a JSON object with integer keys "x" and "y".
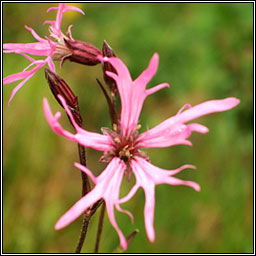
{"x": 82, "y": 52}
{"x": 59, "y": 87}
{"x": 108, "y": 52}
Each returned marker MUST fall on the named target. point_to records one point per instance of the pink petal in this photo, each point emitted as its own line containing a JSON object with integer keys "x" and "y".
{"x": 107, "y": 187}
{"x": 59, "y": 17}
{"x": 35, "y": 62}
{"x": 51, "y": 22}
{"x": 206, "y": 108}
{"x": 161, "y": 176}
{"x": 60, "y": 11}
{"x": 148, "y": 186}
{"x": 51, "y": 64}
{"x": 198, "y": 128}
{"x": 35, "y": 35}
{"x": 83, "y": 137}
{"x": 124, "y": 84}
{"x": 149, "y": 211}
{"x": 14, "y": 91}
{"x": 111, "y": 195}
{"x": 157, "y": 88}
{"x": 18, "y": 76}
{"x": 174, "y": 131}
{"x": 147, "y": 177}
{"x": 51, "y": 8}
{"x": 53, "y": 121}
{"x": 65, "y": 8}
{"x": 131, "y": 193}
{"x": 73, "y": 8}
{"x": 111, "y": 215}
{"x": 132, "y": 94}
{"x": 178, "y": 182}
{"x": 75, "y": 211}
{"x": 125, "y": 211}
{"x": 173, "y": 172}
{"x": 185, "y": 106}
{"x": 145, "y": 77}
{"x": 39, "y": 49}
{"x": 28, "y": 57}
{"x": 169, "y": 137}
{"x": 86, "y": 171}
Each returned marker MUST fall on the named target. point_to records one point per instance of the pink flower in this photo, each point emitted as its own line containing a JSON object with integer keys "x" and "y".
{"x": 43, "y": 47}
{"x": 122, "y": 149}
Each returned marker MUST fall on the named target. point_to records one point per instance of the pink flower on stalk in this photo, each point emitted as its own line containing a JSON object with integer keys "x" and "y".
{"x": 121, "y": 146}
{"x": 44, "y": 47}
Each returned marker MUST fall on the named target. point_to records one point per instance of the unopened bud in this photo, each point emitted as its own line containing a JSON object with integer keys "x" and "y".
{"x": 108, "y": 52}
{"x": 59, "y": 87}
{"x": 82, "y": 52}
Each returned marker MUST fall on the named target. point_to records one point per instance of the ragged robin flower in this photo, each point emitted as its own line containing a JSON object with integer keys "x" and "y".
{"x": 43, "y": 47}
{"x": 122, "y": 146}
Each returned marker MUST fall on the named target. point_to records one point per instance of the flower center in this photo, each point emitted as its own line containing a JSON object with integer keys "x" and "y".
{"x": 123, "y": 147}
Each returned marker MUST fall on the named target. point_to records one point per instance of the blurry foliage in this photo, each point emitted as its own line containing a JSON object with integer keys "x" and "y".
{"x": 206, "y": 52}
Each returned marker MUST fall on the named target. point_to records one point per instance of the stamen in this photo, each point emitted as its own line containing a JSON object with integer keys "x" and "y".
{"x": 185, "y": 106}
{"x": 117, "y": 140}
{"x": 127, "y": 153}
{"x": 125, "y": 147}
{"x": 69, "y": 34}
{"x": 138, "y": 127}
{"x": 111, "y": 152}
{"x": 115, "y": 127}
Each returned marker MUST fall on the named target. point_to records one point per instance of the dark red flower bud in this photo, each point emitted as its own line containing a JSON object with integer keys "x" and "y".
{"x": 82, "y": 52}
{"x": 108, "y": 52}
{"x": 59, "y": 87}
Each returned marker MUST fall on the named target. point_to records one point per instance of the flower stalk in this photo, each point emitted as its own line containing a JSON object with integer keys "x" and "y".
{"x": 59, "y": 87}
{"x": 100, "y": 227}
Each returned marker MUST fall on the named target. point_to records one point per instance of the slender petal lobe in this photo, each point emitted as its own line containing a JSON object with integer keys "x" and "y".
{"x": 147, "y": 177}
{"x": 174, "y": 131}
{"x": 88, "y": 139}
{"x": 132, "y": 93}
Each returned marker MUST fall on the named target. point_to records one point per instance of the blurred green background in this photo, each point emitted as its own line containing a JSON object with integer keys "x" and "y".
{"x": 206, "y": 52}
